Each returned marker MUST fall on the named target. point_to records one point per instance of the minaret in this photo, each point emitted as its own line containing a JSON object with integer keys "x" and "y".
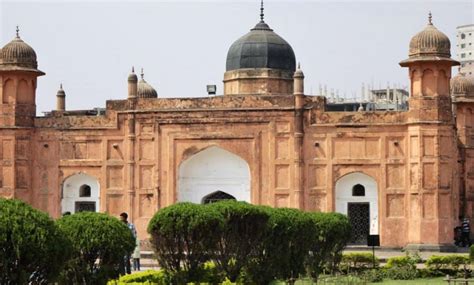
{"x": 298, "y": 81}
{"x": 132, "y": 84}
{"x": 61, "y": 99}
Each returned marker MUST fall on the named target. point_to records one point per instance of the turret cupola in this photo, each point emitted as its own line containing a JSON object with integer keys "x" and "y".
{"x": 18, "y": 54}
{"x": 462, "y": 86}
{"x": 145, "y": 90}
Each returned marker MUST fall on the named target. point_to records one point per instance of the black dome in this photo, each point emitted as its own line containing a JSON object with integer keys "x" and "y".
{"x": 261, "y": 48}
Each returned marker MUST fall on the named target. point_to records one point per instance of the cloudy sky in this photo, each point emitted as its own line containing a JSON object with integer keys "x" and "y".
{"x": 90, "y": 46}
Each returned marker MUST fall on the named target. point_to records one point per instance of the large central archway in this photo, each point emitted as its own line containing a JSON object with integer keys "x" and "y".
{"x": 213, "y": 170}
{"x": 357, "y": 197}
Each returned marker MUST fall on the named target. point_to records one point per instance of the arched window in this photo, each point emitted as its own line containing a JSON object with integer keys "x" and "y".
{"x": 85, "y": 191}
{"x": 216, "y": 197}
{"x": 358, "y": 190}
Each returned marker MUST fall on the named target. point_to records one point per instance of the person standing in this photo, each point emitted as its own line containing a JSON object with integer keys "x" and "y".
{"x": 136, "y": 256}
{"x": 466, "y": 232}
{"x": 126, "y": 269}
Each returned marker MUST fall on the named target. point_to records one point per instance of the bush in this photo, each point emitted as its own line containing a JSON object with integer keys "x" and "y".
{"x": 402, "y": 268}
{"x": 471, "y": 253}
{"x": 242, "y": 232}
{"x": 373, "y": 275}
{"x": 32, "y": 248}
{"x": 157, "y": 277}
{"x": 440, "y": 265}
{"x": 183, "y": 235}
{"x": 327, "y": 244}
{"x": 100, "y": 243}
{"x": 358, "y": 261}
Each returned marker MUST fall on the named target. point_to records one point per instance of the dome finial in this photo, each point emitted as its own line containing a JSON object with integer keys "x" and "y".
{"x": 142, "y": 74}
{"x": 133, "y": 69}
{"x": 261, "y": 10}
{"x": 299, "y": 65}
{"x": 17, "y": 31}
{"x": 430, "y": 17}
{"x": 60, "y": 86}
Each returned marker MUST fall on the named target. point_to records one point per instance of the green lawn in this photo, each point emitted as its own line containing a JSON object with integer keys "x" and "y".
{"x": 424, "y": 281}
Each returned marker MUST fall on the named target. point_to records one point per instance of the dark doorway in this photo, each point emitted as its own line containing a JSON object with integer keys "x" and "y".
{"x": 359, "y": 217}
{"x": 216, "y": 197}
{"x": 84, "y": 207}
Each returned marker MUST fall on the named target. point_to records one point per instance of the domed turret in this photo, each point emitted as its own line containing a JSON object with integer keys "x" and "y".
{"x": 145, "y": 90}
{"x": 462, "y": 85}
{"x": 428, "y": 45}
{"x": 18, "y": 53}
{"x": 260, "y": 62}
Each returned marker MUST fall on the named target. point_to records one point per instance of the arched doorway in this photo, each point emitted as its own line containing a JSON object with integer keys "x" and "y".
{"x": 80, "y": 193}
{"x": 357, "y": 197}
{"x": 211, "y": 171}
{"x": 216, "y": 197}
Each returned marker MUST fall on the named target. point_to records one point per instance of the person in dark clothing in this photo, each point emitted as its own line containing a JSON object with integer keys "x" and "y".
{"x": 125, "y": 268}
{"x": 466, "y": 231}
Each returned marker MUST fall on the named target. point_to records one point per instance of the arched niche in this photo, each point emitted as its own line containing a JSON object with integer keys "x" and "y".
{"x": 216, "y": 197}
{"x": 429, "y": 83}
{"x": 8, "y": 91}
{"x": 80, "y": 192}
{"x": 361, "y": 209}
{"x": 23, "y": 94}
{"x": 210, "y": 170}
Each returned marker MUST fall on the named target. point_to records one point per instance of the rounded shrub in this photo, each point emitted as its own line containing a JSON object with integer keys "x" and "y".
{"x": 32, "y": 248}
{"x": 333, "y": 233}
{"x": 100, "y": 243}
{"x": 243, "y": 229}
{"x": 183, "y": 236}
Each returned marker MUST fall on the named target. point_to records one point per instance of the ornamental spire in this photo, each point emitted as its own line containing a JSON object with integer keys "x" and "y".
{"x": 430, "y": 17}
{"x": 261, "y": 11}
{"x": 17, "y": 32}
{"x": 142, "y": 74}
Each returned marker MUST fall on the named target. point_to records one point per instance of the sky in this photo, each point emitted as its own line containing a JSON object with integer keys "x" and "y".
{"x": 90, "y": 46}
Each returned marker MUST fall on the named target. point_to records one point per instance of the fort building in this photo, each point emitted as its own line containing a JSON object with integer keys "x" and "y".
{"x": 405, "y": 174}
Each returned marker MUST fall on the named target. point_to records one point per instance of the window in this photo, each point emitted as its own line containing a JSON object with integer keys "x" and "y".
{"x": 358, "y": 190}
{"x": 85, "y": 191}
{"x": 463, "y": 55}
{"x": 463, "y": 45}
{"x": 463, "y": 36}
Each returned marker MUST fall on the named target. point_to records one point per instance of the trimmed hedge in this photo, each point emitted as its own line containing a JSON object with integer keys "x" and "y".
{"x": 239, "y": 239}
{"x": 183, "y": 237}
{"x": 358, "y": 261}
{"x": 158, "y": 277}
{"x": 333, "y": 233}
{"x": 32, "y": 248}
{"x": 440, "y": 265}
{"x": 100, "y": 243}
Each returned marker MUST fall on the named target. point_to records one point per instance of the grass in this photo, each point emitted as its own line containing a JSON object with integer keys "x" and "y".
{"x": 356, "y": 281}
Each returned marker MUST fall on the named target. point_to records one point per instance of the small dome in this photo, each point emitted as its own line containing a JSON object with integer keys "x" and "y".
{"x": 261, "y": 48}
{"x": 61, "y": 92}
{"x": 462, "y": 85}
{"x": 430, "y": 42}
{"x": 145, "y": 90}
{"x": 132, "y": 77}
{"x": 18, "y": 53}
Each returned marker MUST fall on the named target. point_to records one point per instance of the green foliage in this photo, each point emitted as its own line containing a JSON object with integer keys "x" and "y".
{"x": 402, "y": 268}
{"x": 358, "y": 261}
{"x": 333, "y": 233}
{"x": 243, "y": 230}
{"x": 471, "y": 253}
{"x": 32, "y": 248}
{"x": 373, "y": 275}
{"x": 183, "y": 236}
{"x": 100, "y": 243}
{"x": 440, "y": 265}
{"x": 157, "y": 277}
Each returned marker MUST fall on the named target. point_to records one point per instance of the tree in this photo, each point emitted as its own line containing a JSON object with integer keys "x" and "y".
{"x": 100, "y": 243}
{"x": 183, "y": 235}
{"x": 243, "y": 230}
{"x": 32, "y": 248}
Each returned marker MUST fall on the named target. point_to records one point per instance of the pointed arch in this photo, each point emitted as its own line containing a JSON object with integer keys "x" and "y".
{"x": 347, "y": 203}
{"x": 210, "y": 170}
{"x": 80, "y": 192}
{"x": 216, "y": 196}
